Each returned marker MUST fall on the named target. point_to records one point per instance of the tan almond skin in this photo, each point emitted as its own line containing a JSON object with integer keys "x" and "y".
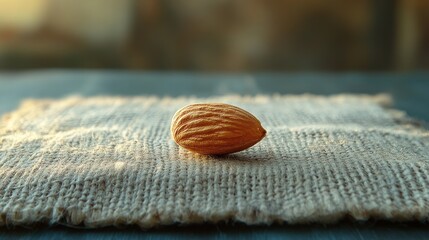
{"x": 215, "y": 128}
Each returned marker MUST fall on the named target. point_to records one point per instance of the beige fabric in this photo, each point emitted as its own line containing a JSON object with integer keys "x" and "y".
{"x": 110, "y": 161}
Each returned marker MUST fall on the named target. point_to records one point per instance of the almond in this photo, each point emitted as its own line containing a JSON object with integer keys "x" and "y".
{"x": 215, "y": 128}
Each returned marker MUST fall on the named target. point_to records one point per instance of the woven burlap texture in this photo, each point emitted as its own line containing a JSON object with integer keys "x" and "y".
{"x": 111, "y": 161}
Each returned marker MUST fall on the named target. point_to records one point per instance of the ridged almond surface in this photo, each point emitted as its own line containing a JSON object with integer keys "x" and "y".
{"x": 215, "y": 128}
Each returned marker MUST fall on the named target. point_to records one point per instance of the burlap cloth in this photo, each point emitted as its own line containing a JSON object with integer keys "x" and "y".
{"x": 111, "y": 161}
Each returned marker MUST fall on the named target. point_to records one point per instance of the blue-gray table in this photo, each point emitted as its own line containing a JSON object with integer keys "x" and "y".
{"x": 409, "y": 90}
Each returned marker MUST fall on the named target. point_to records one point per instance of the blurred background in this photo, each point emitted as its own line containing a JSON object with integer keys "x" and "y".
{"x": 215, "y": 35}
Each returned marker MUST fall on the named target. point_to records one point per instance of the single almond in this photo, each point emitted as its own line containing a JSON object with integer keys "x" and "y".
{"x": 215, "y": 128}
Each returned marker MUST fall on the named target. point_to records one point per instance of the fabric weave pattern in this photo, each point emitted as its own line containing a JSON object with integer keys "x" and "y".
{"x": 111, "y": 161}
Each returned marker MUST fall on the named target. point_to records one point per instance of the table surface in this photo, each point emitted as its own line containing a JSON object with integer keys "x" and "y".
{"x": 410, "y": 92}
